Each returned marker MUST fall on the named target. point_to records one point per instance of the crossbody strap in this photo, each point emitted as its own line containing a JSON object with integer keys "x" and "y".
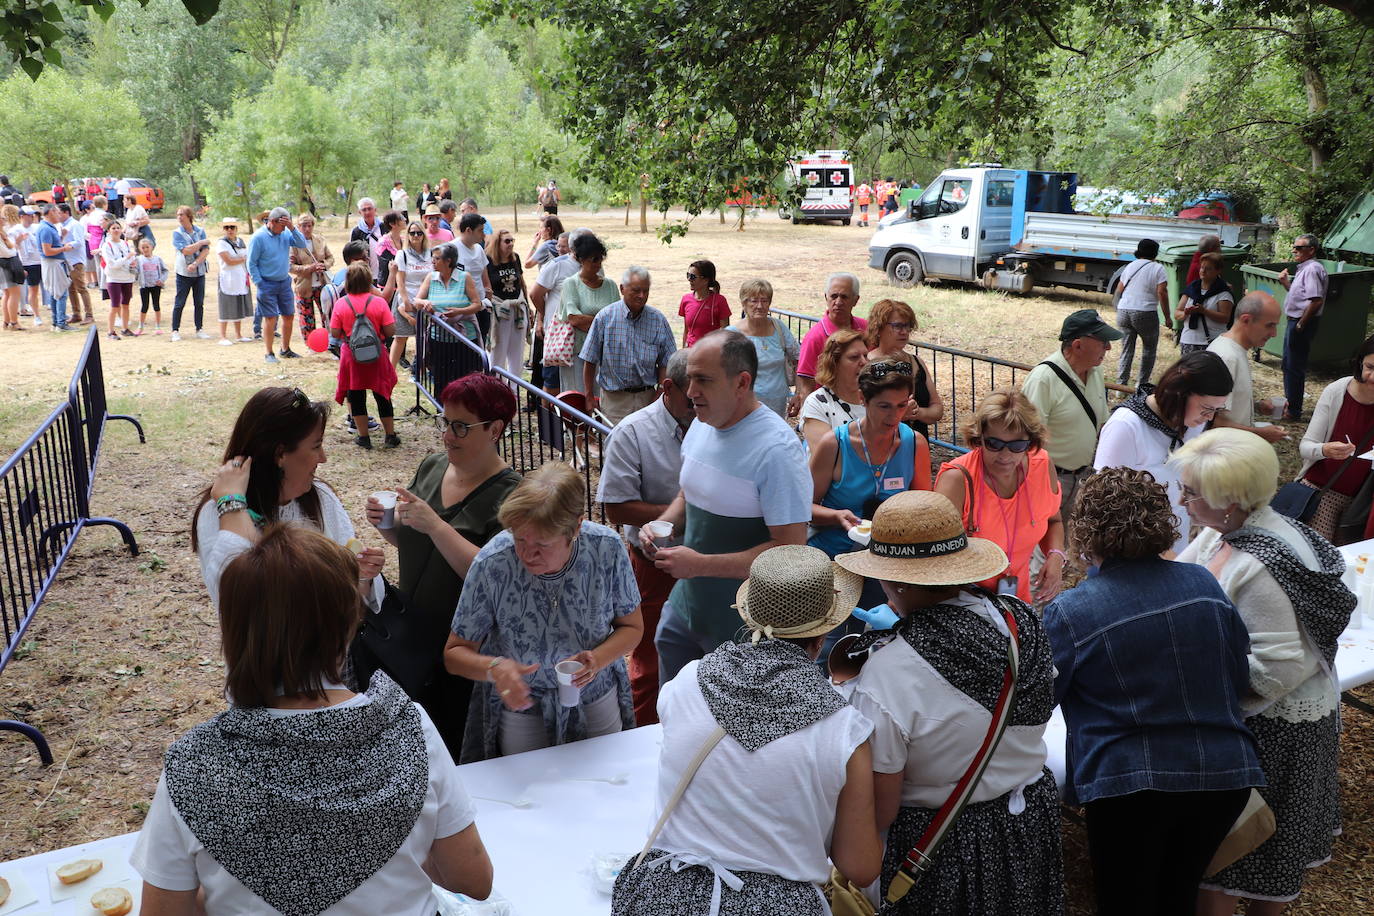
{"x": 922, "y": 854}
{"x": 1077, "y": 392}
{"x": 707, "y": 746}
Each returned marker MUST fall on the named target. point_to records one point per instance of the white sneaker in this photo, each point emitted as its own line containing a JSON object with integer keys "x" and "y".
{"x": 245, "y": 340}
{"x": 175, "y": 337}
{"x": 119, "y": 322}
{"x": 201, "y": 335}
{"x": 37, "y": 322}
{"x": 225, "y": 342}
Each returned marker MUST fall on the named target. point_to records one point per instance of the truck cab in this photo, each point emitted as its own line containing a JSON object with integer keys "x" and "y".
{"x": 964, "y": 221}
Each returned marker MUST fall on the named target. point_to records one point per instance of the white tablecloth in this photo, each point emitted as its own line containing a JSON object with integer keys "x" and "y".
{"x": 542, "y": 854}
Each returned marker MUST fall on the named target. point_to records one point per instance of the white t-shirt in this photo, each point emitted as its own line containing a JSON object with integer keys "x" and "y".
{"x": 136, "y": 212}
{"x": 400, "y": 199}
{"x": 1127, "y": 442}
{"x": 771, "y": 810}
{"x": 122, "y": 188}
{"x": 551, "y": 277}
{"x": 926, "y": 729}
{"x": 473, "y": 259}
{"x": 413, "y": 267}
{"x": 824, "y": 405}
{"x": 1141, "y": 280}
{"x": 1207, "y": 329}
{"x": 169, "y": 856}
{"x": 219, "y": 547}
{"x": 27, "y": 240}
{"x": 233, "y": 278}
{"x": 1240, "y": 403}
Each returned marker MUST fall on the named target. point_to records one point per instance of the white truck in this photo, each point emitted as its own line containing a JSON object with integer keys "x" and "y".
{"x": 827, "y": 176}
{"x": 1015, "y": 229}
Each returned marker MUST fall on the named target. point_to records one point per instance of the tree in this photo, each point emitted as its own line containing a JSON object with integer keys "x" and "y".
{"x": 305, "y": 139}
{"x": 178, "y": 93}
{"x": 32, "y": 30}
{"x": 47, "y": 141}
{"x": 227, "y": 167}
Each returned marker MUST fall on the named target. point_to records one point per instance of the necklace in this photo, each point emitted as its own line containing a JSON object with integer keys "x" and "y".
{"x": 875, "y": 470}
{"x": 553, "y": 599}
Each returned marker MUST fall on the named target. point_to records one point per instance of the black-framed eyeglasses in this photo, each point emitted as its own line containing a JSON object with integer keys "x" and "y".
{"x": 1012, "y": 445}
{"x": 884, "y": 368}
{"x": 458, "y": 428}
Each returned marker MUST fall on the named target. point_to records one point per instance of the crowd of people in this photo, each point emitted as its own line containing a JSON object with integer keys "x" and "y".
{"x": 787, "y": 582}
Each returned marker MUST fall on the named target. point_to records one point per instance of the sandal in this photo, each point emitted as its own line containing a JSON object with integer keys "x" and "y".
{"x": 112, "y": 336}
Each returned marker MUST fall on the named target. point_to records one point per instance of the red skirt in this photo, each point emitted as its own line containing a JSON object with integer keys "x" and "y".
{"x": 378, "y": 376}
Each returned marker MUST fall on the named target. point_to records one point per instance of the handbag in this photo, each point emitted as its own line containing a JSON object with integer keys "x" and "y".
{"x": 1350, "y": 527}
{"x": 1298, "y": 500}
{"x": 845, "y": 897}
{"x": 558, "y": 344}
{"x": 403, "y": 642}
{"x": 14, "y": 267}
{"x": 1254, "y": 826}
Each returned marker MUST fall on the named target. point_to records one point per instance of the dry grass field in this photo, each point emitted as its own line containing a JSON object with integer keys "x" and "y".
{"x": 123, "y": 654}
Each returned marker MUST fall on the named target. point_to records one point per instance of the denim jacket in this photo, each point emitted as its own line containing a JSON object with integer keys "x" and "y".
{"x": 1152, "y": 661}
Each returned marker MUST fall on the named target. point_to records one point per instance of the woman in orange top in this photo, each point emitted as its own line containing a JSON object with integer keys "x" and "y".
{"x": 1007, "y": 491}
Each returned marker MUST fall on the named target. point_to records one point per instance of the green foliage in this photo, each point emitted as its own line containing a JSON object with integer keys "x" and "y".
{"x": 49, "y": 139}
{"x": 31, "y": 30}
{"x": 227, "y": 169}
{"x": 306, "y": 141}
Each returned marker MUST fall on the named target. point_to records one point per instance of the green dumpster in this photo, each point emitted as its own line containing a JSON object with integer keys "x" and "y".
{"x": 908, "y": 195}
{"x": 1344, "y": 317}
{"x": 1177, "y": 258}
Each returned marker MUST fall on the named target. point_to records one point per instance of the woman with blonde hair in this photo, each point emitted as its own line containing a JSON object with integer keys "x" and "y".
{"x": 505, "y": 285}
{"x": 775, "y": 346}
{"x": 837, "y": 399}
{"x": 551, "y": 591}
{"x": 1285, "y": 580}
{"x": 11, "y": 281}
{"x": 1007, "y": 491}
{"x": 890, "y": 326}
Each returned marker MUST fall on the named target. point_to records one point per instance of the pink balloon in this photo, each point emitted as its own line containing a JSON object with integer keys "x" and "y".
{"x": 318, "y": 340}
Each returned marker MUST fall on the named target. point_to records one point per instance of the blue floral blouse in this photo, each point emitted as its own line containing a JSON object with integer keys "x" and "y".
{"x": 509, "y": 611}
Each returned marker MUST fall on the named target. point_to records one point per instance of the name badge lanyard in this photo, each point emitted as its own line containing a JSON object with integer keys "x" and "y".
{"x": 877, "y": 471}
{"x": 1009, "y": 525}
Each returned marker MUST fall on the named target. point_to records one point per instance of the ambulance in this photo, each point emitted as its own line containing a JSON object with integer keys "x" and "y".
{"x": 828, "y": 177}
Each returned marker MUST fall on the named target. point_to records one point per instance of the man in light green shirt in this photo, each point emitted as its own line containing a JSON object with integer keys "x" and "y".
{"x": 1069, "y": 392}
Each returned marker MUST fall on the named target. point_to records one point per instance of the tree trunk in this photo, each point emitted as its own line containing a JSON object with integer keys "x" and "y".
{"x": 515, "y": 212}
{"x": 721, "y": 211}
{"x": 629, "y": 199}
{"x": 1316, "y": 133}
{"x": 739, "y": 227}
{"x": 643, "y": 204}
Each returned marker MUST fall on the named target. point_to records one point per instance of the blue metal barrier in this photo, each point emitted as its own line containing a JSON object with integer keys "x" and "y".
{"x": 545, "y": 428}
{"x": 45, "y": 489}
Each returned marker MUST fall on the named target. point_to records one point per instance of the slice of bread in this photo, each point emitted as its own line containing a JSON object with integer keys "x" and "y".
{"x": 79, "y": 870}
{"x": 4, "y": 891}
{"x": 113, "y": 901}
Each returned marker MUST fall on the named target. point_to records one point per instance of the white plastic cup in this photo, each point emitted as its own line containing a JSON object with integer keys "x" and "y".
{"x": 568, "y": 694}
{"x": 1276, "y": 405}
{"x": 388, "y": 500}
{"x": 660, "y": 531}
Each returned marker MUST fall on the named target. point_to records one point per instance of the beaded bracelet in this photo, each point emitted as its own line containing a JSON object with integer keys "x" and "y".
{"x": 231, "y": 497}
{"x": 226, "y": 504}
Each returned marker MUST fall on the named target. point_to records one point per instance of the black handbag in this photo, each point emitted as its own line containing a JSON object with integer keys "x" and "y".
{"x": 403, "y": 641}
{"x": 14, "y": 267}
{"x": 1299, "y": 501}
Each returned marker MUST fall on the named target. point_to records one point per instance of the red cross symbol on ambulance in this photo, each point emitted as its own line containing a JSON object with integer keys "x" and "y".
{"x": 837, "y": 178}
{"x": 813, "y": 178}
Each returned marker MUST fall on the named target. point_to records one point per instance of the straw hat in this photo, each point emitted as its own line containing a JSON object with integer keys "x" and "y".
{"x": 433, "y": 210}
{"x": 918, "y": 538}
{"x": 227, "y": 222}
{"x": 795, "y": 591}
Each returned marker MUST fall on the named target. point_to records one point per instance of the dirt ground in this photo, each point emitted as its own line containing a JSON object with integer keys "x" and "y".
{"x": 123, "y": 657}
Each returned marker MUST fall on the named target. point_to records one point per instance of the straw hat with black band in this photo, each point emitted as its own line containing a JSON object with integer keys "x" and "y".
{"x": 796, "y": 592}
{"x": 918, "y": 538}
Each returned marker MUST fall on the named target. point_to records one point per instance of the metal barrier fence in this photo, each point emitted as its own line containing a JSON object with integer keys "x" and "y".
{"x": 45, "y": 489}
{"x": 545, "y": 428}
{"x": 960, "y": 377}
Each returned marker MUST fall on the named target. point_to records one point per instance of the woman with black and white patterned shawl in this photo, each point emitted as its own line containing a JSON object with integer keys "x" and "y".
{"x": 1285, "y": 581}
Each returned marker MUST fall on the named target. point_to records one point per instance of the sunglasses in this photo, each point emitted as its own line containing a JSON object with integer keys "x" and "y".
{"x": 1301, "y": 247}
{"x": 1012, "y": 445}
{"x": 692, "y": 276}
{"x": 883, "y": 369}
{"x": 415, "y": 235}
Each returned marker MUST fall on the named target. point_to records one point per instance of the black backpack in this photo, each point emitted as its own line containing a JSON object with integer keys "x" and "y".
{"x": 363, "y": 340}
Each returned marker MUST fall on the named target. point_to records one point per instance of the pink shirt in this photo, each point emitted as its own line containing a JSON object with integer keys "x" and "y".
{"x": 815, "y": 339}
{"x": 439, "y": 236}
{"x": 701, "y": 317}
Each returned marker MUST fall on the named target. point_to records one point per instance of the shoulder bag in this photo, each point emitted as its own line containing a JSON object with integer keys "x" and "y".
{"x": 558, "y": 344}
{"x": 1299, "y": 501}
{"x": 706, "y": 747}
{"x": 1077, "y": 392}
{"x": 1122, "y": 284}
